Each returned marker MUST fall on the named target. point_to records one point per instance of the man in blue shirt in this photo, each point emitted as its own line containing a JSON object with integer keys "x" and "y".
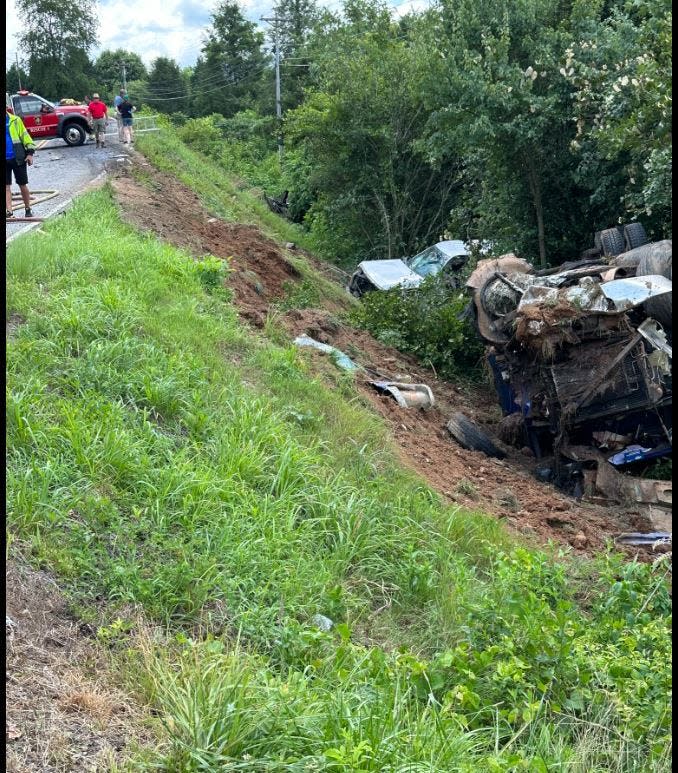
{"x": 19, "y": 149}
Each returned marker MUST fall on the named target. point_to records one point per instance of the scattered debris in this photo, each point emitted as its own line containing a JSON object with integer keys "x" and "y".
{"x": 406, "y": 395}
{"x": 279, "y": 206}
{"x": 322, "y": 623}
{"x": 341, "y": 359}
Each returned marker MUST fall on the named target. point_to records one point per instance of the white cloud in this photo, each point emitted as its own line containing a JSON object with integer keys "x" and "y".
{"x": 173, "y": 28}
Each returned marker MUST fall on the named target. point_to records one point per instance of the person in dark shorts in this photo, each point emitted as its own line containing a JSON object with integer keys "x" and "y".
{"x": 19, "y": 150}
{"x": 126, "y": 108}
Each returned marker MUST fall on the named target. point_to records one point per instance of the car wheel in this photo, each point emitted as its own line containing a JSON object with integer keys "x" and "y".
{"x": 74, "y": 134}
{"x": 470, "y": 436}
{"x": 612, "y": 242}
{"x": 635, "y": 235}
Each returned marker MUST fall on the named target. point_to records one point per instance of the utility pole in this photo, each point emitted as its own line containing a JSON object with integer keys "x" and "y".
{"x": 278, "y": 103}
{"x": 18, "y": 70}
{"x": 124, "y": 75}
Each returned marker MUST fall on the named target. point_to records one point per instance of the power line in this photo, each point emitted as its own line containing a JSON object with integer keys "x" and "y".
{"x": 208, "y": 91}
{"x": 208, "y": 81}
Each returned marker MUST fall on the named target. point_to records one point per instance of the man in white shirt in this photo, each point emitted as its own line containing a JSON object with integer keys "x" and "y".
{"x": 116, "y": 104}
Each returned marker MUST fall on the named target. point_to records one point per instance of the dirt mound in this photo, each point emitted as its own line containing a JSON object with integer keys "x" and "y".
{"x": 154, "y": 201}
{"x": 61, "y": 711}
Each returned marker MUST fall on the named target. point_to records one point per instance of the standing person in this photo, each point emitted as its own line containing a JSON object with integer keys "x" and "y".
{"x": 126, "y": 108}
{"x": 116, "y": 104}
{"x": 19, "y": 150}
{"x": 99, "y": 113}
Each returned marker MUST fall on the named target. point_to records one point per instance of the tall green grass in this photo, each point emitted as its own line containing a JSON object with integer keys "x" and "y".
{"x": 167, "y": 463}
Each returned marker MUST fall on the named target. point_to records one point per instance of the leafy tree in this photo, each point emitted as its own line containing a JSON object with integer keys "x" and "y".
{"x": 620, "y": 70}
{"x": 56, "y": 37}
{"x": 15, "y": 77}
{"x": 227, "y": 75}
{"x": 504, "y": 108}
{"x": 166, "y": 87}
{"x": 376, "y": 190}
{"x": 108, "y": 70}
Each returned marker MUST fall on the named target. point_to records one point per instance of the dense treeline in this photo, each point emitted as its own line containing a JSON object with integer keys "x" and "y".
{"x": 532, "y": 124}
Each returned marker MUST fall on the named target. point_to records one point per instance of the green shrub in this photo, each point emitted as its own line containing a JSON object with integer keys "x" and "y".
{"x": 424, "y": 322}
{"x": 202, "y": 134}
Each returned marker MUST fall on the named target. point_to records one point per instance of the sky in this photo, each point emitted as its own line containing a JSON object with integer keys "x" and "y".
{"x": 173, "y": 28}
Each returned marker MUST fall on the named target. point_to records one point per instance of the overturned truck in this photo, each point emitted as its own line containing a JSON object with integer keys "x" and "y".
{"x": 581, "y": 354}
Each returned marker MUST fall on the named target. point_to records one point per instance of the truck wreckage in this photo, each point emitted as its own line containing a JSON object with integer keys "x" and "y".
{"x": 581, "y": 360}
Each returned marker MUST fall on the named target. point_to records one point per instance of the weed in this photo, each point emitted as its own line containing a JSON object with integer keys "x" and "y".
{"x": 467, "y": 489}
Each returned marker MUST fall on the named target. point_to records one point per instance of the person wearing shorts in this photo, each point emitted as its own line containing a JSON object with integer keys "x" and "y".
{"x": 19, "y": 150}
{"x": 126, "y": 108}
{"x": 99, "y": 113}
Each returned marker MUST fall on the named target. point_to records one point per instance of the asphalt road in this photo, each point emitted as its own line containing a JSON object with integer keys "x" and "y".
{"x": 69, "y": 170}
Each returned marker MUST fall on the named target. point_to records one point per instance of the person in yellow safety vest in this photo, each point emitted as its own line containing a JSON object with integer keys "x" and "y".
{"x": 19, "y": 150}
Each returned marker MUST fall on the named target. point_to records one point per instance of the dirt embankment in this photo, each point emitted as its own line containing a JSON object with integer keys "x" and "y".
{"x": 261, "y": 275}
{"x": 61, "y": 711}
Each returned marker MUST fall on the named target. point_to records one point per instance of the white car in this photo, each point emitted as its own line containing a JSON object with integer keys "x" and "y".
{"x": 448, "y": 256}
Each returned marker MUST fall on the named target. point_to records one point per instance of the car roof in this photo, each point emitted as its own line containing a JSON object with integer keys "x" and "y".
{"x": 385, "y": 274}
{"x": 453, "y": 247}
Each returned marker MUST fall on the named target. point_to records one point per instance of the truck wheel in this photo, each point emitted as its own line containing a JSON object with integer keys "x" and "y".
{"x": 635, "y": 235}
{"x": 612, "y": 242}
{"x": 470, "y": 436}
{"x": 73, "y": 134}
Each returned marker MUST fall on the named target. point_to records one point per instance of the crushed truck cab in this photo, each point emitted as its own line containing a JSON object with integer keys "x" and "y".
{"x": 582, "y": 351}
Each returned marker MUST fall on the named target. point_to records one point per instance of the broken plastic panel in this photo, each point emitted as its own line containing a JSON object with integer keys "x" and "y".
{"x": 640, "y": 538}
{"x": 653, "y": 332}
{"x": 342, "y": 360}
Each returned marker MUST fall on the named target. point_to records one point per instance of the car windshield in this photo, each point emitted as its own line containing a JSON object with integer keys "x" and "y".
{"x": 428, "y": 262}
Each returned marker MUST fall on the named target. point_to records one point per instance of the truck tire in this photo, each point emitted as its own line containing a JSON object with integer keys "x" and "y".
{"x": 73, "y": 134}
{"x": 471, "y": 437}
{"x": 658, "y": 259}
{"x": 612, "y": 242}
{"x": 635, "y": 236}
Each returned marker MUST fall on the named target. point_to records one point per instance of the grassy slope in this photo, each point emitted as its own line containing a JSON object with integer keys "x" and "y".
{"x": 161, "y": 456}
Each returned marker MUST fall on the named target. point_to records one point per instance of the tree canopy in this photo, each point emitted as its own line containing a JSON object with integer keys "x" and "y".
{"x": 57, "y": 38}
{"x": 228, "y": 73}
{"x": 108, "y": 70}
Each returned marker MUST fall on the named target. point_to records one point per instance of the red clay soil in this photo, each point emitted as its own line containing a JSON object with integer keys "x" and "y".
{"x": 506, "y": 489}
{"x": 170, "y": 210}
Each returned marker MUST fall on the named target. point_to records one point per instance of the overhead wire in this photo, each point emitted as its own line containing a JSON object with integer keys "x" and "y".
{"x": 207, "y": 91}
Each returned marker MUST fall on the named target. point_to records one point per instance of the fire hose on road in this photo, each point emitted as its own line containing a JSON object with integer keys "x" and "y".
{"x": 16, "y": 197}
